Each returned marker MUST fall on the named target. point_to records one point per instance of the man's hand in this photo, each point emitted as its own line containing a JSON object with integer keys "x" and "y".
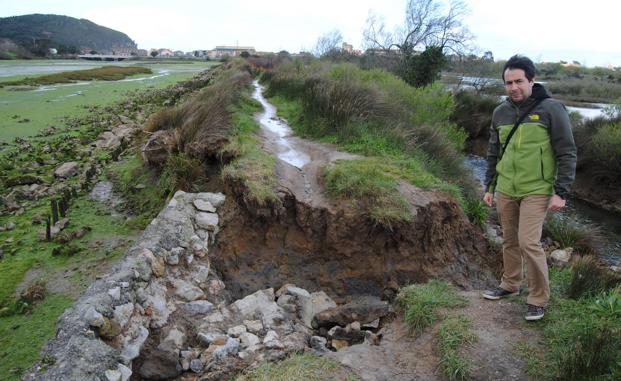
{"x": 556, "y": 203}
{"x": 489, "y": 198}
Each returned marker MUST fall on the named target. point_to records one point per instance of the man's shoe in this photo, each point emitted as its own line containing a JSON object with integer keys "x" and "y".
{"x": 534, "y": 312}
{"x": 498, "y": 293}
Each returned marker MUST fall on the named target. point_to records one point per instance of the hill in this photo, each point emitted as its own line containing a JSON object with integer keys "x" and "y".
{"x": 38, "y": 33}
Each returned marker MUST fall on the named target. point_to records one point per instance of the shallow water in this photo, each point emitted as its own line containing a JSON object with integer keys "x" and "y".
{"x": 280, "y": 130}
{"x": 588, "y": 113}
{"x": 609, "y": 223}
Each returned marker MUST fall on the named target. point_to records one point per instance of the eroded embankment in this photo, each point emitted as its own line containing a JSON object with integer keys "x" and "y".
{"x": 335, "y": 247}
{"x": 319, "y": 243}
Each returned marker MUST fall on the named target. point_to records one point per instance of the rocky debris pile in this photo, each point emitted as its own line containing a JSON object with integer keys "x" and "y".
{"x": 163, "y": 311}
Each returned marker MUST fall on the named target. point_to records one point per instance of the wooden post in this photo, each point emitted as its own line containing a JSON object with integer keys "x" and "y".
{"x": 62, "y": 207}
{"x": 54, "y": 211}
{"x": 48, "y": 229}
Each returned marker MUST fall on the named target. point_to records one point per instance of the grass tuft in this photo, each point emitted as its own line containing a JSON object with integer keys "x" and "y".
{"x": 298, "y": 367}
{"x": 453, "y": 335}
{"x": 584, "y": 338}
{"x": 421, "y": 303}
{"x": 569, "y": 232}
{"x": 374, "y": 188}
{"x": 182, "y": 173}
{"x": 590, "y": 278}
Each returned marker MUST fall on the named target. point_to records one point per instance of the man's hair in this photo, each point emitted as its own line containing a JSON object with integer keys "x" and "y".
{"x": 520, "y": 62}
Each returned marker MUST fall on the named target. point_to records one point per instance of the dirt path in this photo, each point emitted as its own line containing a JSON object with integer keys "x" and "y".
{"x": 299, "y": 160}
{"x": 498, "y": 326}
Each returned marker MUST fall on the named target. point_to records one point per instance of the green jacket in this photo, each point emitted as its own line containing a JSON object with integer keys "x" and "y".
{"x": 541, "y": 155}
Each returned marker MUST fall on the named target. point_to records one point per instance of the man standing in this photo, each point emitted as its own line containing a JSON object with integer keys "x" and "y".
{"x": 531, "y": 163}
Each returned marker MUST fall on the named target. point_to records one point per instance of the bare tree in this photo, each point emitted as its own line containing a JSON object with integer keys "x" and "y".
{"x": 430, "y": 30}
{"x": 427, "y": 24}
{"x": 328, "y": 43}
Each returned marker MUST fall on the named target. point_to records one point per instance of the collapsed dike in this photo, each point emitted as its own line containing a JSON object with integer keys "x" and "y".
{"x": 214, "y": 286}
{"x": 217, "y": 284}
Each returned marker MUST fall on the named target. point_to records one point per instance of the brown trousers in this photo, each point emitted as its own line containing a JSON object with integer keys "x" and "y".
{"x": 522, "y": 222}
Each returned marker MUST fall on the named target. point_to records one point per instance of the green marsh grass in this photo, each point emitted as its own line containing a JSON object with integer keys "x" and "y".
{"x": 374, "y": 188}
{"x": 45, "y": 108}
{"x": 421, "y": 303}
{"x": 106, "y": 73}
{"x": 22, "y": 336}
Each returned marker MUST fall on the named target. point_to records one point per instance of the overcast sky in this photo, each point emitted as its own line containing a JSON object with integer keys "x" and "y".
{"x": 545, "y": 30}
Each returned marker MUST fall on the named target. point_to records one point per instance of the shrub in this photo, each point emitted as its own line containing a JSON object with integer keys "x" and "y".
{"x": 585, "y": 338}
{"x": 570, "y": 232}
{"x": 473, "y": 113}
{"x": 590, "y": 278}
{"x": 166, "y": 119}
{"x": 607, "y": 143}
{"x": 182, "y": 173}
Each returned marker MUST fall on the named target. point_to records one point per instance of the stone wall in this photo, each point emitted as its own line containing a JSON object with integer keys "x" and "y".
{"x": 163, "y": 311}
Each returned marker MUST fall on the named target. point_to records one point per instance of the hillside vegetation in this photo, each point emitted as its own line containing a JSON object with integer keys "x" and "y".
{"x": 37, "y": 33}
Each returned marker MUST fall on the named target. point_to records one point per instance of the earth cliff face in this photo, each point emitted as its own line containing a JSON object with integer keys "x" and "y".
{"x": 335, "y": 246}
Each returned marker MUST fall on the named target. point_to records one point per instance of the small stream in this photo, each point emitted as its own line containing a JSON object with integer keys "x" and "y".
{"x": 280, "y": 131}
{"x": 585, "y": 213}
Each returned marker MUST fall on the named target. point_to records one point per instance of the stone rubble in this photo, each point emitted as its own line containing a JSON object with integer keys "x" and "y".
{"x": 158, "y": 318}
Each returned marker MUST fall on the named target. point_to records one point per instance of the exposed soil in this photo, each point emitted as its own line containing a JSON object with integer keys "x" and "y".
{"x": 324, "y": 244}
{"x": 498, "y": 325}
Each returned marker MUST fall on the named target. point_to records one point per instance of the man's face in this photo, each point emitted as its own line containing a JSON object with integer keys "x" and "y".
{"x": 518, "y": 87}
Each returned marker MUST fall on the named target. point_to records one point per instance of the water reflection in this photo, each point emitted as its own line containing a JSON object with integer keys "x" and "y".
{"x": 278, "y": 128}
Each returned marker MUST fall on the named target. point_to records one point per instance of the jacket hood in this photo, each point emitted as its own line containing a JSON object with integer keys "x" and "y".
{"x": 539, "y": 92}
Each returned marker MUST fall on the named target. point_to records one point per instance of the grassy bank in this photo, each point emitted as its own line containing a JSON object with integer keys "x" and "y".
{"x": 405, "y": 132}
{"x": 217, "y": 124}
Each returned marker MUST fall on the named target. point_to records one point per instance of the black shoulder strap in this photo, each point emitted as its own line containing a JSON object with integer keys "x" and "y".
{"x": 517, "y": 124}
